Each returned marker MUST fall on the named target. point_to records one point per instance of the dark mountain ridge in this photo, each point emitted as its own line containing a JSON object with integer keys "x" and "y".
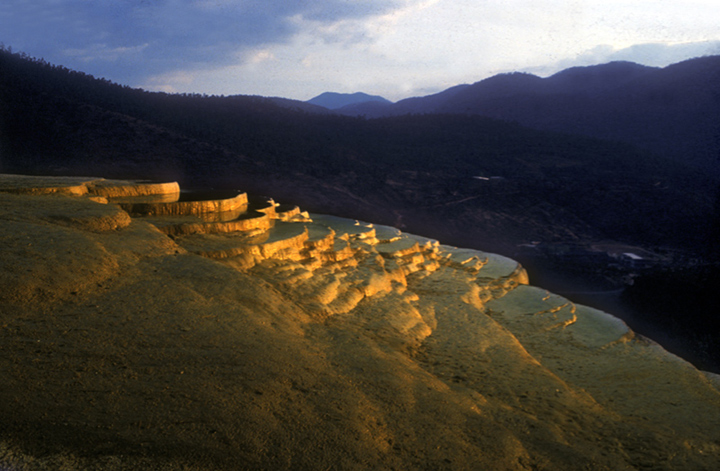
{"x": 406, "y": 106}
{"x": 672, "y": 111}
{"x": 596, "y": 79}
{"x": 52, "y": 118}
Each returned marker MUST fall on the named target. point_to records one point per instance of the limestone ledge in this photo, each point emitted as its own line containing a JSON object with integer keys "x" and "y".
{"x": 123, "y": 189}
{"x": 180, "y": 208}
{"x": 339, "y": 261}
{"x": 79, "y": 186}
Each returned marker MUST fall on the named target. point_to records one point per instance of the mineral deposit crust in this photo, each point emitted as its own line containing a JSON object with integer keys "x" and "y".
{"x": 192, "y": 341}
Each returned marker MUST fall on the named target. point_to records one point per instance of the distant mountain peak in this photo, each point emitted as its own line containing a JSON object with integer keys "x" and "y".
{"x": 333, "y": 100}
{"x": 607, "y": 75}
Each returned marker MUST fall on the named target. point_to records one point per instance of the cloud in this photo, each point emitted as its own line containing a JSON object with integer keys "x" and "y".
{"x": 651, "y": 54}
{"x": 150, "y": 37}
{"x": 101, "y": 52}
{"x": 172, "y": 82}
{"x": 660, "y": 55}
{"x": 300, "y": 48}
{"x": 261, "y": 56}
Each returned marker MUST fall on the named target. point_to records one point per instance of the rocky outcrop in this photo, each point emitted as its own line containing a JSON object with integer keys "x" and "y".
{"x": 124, "y": 189}
{"x": 267, "y": 338}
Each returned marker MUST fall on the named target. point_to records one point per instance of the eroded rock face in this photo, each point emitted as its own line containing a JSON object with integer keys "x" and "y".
{"x": 303, "y": 341}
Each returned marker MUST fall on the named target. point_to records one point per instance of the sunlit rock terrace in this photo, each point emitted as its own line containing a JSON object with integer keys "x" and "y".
{"x": 141, "y": 327}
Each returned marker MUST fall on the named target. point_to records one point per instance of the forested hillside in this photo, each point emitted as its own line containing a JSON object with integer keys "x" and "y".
{"x": 672, "y": 111}
{"x": 59, "y": 120}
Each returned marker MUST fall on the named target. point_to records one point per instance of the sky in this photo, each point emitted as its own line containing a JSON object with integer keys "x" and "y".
{"x": 393, "y": 48}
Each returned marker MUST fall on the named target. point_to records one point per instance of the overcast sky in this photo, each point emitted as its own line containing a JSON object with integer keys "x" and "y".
{"x": 394, "y": 48}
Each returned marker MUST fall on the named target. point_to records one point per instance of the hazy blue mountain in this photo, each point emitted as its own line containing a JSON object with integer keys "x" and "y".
{"x": 408, "y": 106}
{"x": 334, "y": 101}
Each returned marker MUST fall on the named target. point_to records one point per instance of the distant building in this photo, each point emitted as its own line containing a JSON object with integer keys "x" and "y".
{"x": 633, "y": 260}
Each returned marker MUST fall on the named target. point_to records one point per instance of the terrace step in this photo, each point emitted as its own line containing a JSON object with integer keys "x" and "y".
{"x": 201, "y": 207}
{"x": 283, "y": 240}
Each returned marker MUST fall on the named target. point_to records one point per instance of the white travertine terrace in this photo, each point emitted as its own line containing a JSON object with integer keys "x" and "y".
{"x": 262, "y": 337}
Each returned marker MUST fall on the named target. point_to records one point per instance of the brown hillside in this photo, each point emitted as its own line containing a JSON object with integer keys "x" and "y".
{"x": 309, "y": 342}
